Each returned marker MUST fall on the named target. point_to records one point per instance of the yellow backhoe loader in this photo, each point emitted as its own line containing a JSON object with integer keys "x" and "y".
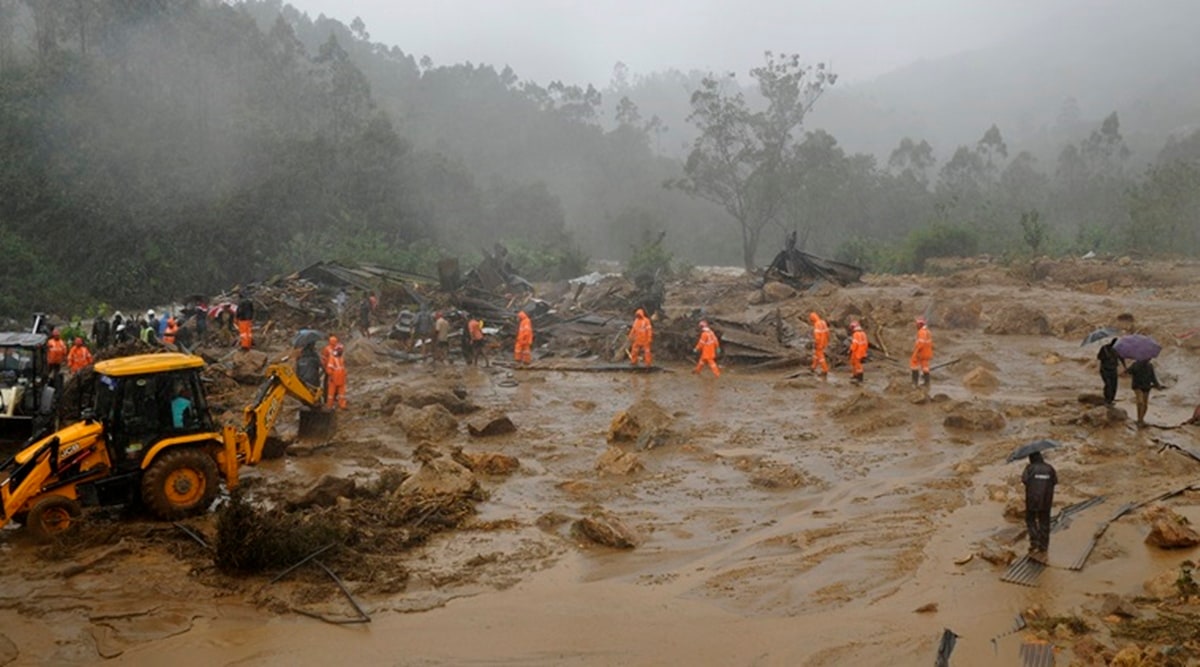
{"x": 149, "y": 438}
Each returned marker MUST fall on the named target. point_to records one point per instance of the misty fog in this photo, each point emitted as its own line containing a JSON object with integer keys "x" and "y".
{"x": 187, "y": 146}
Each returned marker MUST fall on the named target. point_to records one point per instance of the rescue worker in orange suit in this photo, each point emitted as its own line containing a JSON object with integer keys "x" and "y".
{"x": 327, "y": 351}
{"x": 245, "y": 323}
{"x": 56, "y": 352}
{"x": 641, "y": 334}
{"x": 708, "y": 346}
{"x": 858, "y": 351}
{"x": 171, "y": 331}
{"x": 922, "y": 354}
{"x": 820, "y": 342}
{"x": 523, "y": 350}
{"x": 335, "y": 377}
{"x": 79, "y": 357}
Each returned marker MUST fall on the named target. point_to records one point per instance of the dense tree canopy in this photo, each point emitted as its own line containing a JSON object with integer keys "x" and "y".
{"x": 156, "y": 149}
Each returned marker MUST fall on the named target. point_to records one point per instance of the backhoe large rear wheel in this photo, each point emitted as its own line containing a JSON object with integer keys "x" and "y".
{"x": 52, "y": 517}
{"x": 180, "y": 483}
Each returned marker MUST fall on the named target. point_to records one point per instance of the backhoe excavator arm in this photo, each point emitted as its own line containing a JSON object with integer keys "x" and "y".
{"x": 260, "y": 416}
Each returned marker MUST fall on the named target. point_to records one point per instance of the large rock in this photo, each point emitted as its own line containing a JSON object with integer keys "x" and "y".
{"x": 973, "y": 417}
{"x": 490, "y": 423}
{"x": 616, "y": 461}
{"x": 249, "y": 366}
{"x": 980, "y": 379}
{"x": 1018, "y": 319}
{"x": 1163, "y": 585}
{"x": 487, "y": 463}
{"x": 606, "y": 530}
{"x": 1101, "y": 417}
{"x": 440, "y": 476}
{"x": 643, "y": 420}
{"x": 432, "y": 423}
{"x": 1169, "y": 530}
{"x": 777, "y": 291}
{"x": 325, "y": 493}
{"x": 959, "y": 315}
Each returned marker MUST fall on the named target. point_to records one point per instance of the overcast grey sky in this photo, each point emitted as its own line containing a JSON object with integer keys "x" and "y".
{"x": 579, "y": 41}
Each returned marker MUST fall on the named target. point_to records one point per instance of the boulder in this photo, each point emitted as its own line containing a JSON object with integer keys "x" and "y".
{"x": 1103, "y": 416}
{"x": 487, "y": 463}
{"x": 1115, "y": 605}
{"x": 776, "y": 291}
{"x": 1169, "y": 530}
{"x": 440, "y": 476}
{"x": 956, "y": 315}
{"x": 1163, "y": 585}
{"x": 249, "y": 366}
{"x": 490, "y": 423}
{"x": 642, "y": 420}
{"x": 325, "y": 493}
{"x": 454, "y": 401}
{"x": 616, "y": 461}
{"x": 980, "y": 379}
{"x": 973, "y": 417}
{"x": 432, "y": 423}
{"x": 606, "y": 530}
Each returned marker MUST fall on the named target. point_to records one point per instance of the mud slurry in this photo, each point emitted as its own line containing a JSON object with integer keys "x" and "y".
{"x": 817, "y": 516}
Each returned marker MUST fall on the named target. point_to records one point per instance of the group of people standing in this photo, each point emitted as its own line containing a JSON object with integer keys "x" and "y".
{"x": 1141, "y": 374}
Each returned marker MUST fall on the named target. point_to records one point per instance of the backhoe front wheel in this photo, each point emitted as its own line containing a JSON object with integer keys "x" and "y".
{"x": 180, "y": 483}
{"x": 51, "y": 517}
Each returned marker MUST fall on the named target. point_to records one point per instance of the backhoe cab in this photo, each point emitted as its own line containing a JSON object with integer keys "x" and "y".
{"x": 26, "y": 388}
{"x": 150, "y": 438}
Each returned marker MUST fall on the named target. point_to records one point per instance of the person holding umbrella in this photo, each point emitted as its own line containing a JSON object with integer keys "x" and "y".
{"x": 1109, "y": 360}
{"x": 1142, "y": 379}
{"x": 1039, "y": 479}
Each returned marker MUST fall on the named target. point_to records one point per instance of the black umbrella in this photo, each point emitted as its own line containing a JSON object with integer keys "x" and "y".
{"x": 306, "y": 337}
{"x": 1099, "y": 334}
{"x": 1031, "y": 448}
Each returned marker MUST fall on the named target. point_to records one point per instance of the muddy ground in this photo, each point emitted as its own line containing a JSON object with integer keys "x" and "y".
{"x": 774, "y": 520}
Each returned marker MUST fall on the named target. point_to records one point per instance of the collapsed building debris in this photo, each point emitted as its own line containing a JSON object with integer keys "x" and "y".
{"x": 801, "y": 270}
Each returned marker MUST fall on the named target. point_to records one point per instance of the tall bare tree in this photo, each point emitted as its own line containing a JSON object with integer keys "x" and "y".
{"x": 739, "y": 161}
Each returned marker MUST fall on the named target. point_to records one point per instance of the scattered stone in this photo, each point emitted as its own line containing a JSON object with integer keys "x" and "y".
{"x": 1129, "y": 656}
{"x": 487, "y": 463}
{"x": 584, "y": 406}
{"x": 644, "y": 416}
{"x": 1125, "y": 260}
{"x": 490, "y": 423}
{"x": 1163, "y": 585}
{"x": 980, "y": 379}
{"x": 776, "y": 291}
{"x": 1095, "y": 287}
{"x": 325, "y": 493}
{"x": 776, "y": 476}
{"x": 551, "y": 520}
{"x": 616, "y": 461}
{"x": 1101, "y": 417}
{"x": 996, "y": 554}
{"x": 972, "y": 417}
{"x": 1089, "y": 651}
{"x": 606, "y": 530}
{"x": 1169, "y": 530}
{"x": 927, "y": 608}
{"x": 1091, "y": 399}
{"x": 420, "y": 397}
{"x": 433, "y": 423}
{"x": 1115, "y": 605}
{"x": 249, "y": 366}
{"x": 440, "y": 476}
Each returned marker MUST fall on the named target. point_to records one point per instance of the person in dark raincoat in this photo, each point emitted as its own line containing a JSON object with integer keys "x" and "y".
{"x": 1109, "y": 362}
{"x": 1039, "y": 479}
{"x": 1143, "y": 380}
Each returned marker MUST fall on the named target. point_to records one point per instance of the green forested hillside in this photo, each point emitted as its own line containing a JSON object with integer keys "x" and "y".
{"x": 155, "y": 148}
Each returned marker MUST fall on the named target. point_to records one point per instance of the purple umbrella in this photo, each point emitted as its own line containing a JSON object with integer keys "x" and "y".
{"x": 1137, "y": 347}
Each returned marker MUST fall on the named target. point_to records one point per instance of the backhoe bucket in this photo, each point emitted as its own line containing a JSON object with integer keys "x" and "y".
{"x": 316, "y": 426}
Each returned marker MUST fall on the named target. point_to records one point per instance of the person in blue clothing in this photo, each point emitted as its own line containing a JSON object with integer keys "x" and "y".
{"x": 183, "y": 415}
